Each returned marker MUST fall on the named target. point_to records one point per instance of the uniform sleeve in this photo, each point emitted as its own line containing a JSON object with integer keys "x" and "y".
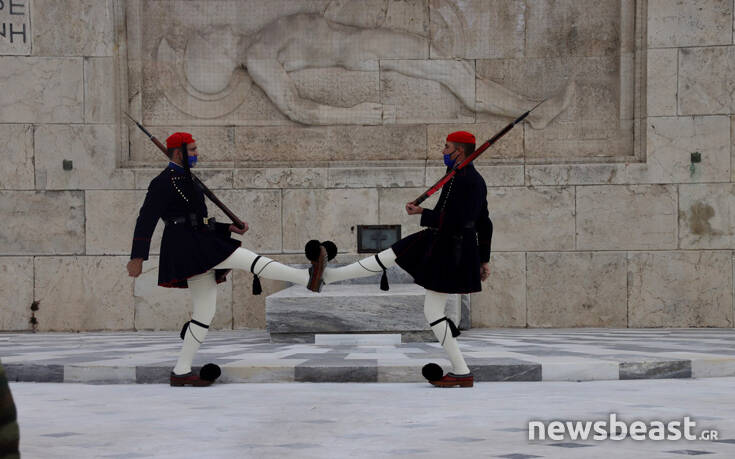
{"x": 461, "y": 208}
{"x": 484, "y": 228}
{"x": 150, "y": 212}
{"x": 430, "y": 218}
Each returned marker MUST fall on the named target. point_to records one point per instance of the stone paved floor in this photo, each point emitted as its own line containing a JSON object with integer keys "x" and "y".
{"x": 362, "y": 420}
{"x": 493, "y": 355}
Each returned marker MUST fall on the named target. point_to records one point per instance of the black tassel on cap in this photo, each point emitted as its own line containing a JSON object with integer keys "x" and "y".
{"x": 257, "y": 288}
{"x": 384, "y": 278}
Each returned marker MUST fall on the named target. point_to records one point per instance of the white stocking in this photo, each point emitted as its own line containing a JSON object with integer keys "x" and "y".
{"x": 363, "y": 268}
{"x": 434, "y": 305}
{"x": 203, "y": 289}
{"x": 265, "y": 267}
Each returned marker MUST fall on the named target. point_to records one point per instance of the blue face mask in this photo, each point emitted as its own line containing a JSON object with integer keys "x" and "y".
{"x": 192, "y": 160}
{"x": 448, "y": 161}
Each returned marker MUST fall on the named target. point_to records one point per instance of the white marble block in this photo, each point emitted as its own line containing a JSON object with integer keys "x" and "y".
{"x": 351, "y": 308}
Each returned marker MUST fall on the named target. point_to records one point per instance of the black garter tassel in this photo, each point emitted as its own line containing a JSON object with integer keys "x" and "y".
{"x": 452, "y": 327}
{"x": 257, "y": 288}
{"x": 384, "y": 278}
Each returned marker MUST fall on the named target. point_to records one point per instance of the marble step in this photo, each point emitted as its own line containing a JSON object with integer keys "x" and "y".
{"x": 298, "y": 313}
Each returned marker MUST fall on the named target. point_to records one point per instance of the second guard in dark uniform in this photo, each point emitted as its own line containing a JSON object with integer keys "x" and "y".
{"x": 450, "y": 256}
{"x": 197, "y": 252}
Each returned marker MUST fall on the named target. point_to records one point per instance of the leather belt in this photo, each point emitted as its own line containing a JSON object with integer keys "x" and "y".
{"x": 192, "y": 221}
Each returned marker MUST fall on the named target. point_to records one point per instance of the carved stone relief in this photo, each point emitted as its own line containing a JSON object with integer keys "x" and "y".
{"x": 390, "y": 62}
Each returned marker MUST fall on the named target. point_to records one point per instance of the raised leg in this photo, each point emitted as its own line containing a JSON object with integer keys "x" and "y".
{"x": 264, "y": 267}
{"x": 364, "y": 268}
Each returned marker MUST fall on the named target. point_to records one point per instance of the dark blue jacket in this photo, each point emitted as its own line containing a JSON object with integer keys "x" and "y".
{"x": 446, "y": 256}
{"x": 185, "y": 251}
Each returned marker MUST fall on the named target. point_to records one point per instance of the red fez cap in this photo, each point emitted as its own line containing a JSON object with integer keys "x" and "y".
{"x": 461, "y": 137}
{"x": 177, "y": 139}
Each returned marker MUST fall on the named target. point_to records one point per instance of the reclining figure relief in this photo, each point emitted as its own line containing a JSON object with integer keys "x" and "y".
{"x": 224, "y": 60}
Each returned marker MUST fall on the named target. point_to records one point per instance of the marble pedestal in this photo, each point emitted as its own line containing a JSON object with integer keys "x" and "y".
{"x": 297, "y": 315}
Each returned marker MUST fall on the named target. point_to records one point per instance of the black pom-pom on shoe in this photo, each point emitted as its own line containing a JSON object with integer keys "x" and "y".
{"x": 432, "y": 372}
{"x": 210, "y": 372}
{"x": 331, "y": 249}
{"x": 312, "y": 249}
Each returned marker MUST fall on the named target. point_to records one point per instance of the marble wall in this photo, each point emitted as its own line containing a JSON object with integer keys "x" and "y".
{"x": 314, "y": 116}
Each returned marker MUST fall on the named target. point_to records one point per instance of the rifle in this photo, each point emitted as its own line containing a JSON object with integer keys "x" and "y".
{"x": 448, "y": 176}
{"x": 207, "y": 192}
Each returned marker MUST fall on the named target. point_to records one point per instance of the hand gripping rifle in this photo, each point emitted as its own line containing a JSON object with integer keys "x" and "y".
{"x": 236, "y": 221}
{"x": 438, "y": 185}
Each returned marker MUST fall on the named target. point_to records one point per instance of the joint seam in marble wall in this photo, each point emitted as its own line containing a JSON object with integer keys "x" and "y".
{"x": 678, "y": 222}
{"x": 84, "y": 89}
{"x": 576, "y": 235}
{"x": 283, "y": 229}
{"x": 33, "y": 155}
{"x": 627, "y": 289}
{"x": 719, "y": 45}
{"x": 592, "y": 251}
{"x": 525, "y": 282}
{"x": 33, "y": 294}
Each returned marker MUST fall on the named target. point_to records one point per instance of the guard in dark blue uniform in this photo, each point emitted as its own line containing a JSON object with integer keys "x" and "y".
{"x": 191, "y": 244}
{"x": 450, "y": 256}
{"x": 447, "y": 256}
{"x": 197, "y": 252}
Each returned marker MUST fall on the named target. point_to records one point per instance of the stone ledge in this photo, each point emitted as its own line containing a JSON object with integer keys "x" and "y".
{"x": 582, "y": 354}
{"x": 364, "y": 370}
{"x": 349, "y": 309}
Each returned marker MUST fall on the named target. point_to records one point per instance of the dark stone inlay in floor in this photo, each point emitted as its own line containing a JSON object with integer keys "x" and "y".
{"x": 336, "y": 374}
{"x": 530, "y": 372}
{"x": 569, "y": 445}
{"x": 656, "y": 370}
{"x": 28, "y": 372}
{"x": 689, "y": 452}
{"x": 297, "y": 445}
{"x": 153, "y": 375}
{"x": 517, "y": 456}
{"x": 463, "y": 439}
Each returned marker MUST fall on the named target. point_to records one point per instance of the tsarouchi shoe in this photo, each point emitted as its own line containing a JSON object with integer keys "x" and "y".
{"x": 189, "y": 379}
{"x": 317, "y": 254}
{"x": 452, "y": 380}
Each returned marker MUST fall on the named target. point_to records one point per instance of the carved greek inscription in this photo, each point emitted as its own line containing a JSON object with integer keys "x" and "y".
{"x": 15, "y": 37}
